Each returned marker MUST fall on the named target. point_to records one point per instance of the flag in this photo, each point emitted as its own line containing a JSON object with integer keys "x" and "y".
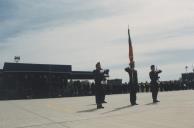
{"x": 130, "y": 48}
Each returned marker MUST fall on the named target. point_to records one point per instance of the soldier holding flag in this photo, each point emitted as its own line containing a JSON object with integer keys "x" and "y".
{"x": 133, "y": 82}
{"x": 133, "y": 79}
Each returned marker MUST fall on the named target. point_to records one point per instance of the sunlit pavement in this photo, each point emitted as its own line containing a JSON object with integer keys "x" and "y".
{"x": 176, "y": 110}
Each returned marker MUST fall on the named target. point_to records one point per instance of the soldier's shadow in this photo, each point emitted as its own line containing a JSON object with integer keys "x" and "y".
{"x": 151, "y": 103}
{"x": 90, "y": 104}
{"x": 118, "y": 109}
{"x": 89, "y": 110}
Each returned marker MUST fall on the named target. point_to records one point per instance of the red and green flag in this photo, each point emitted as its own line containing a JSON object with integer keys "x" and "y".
{"x": 130, "y": 48}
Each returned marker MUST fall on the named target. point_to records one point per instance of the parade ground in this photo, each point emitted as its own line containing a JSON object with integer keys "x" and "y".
{"x": 176, "y": 110}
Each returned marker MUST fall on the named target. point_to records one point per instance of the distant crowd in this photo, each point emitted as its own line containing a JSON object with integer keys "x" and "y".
{"x": 41, "y": 88}
{"x": 80, "y": 88}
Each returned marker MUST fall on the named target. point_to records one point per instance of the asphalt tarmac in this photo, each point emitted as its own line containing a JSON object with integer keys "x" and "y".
{"x": 175, "y": 110}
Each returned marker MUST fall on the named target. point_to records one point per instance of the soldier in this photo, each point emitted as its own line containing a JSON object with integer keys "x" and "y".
{"x": 99, "y": 92}
{"x": 133, "y": 82}
{"x": 154, "y": 82}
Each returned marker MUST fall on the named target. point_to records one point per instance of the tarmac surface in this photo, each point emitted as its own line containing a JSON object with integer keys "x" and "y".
{"x": 176, "y": 110}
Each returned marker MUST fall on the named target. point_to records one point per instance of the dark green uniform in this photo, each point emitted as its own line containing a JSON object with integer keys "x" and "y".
{"x": 154, "y": 84}
{"x": 133, "y": 84}
{"x": 99, "y": 91}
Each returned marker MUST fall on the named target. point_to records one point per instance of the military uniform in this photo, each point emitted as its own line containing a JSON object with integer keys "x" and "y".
{"x": 133, "y": 84}
{"x": 154, "y": 84}
{"x": 99, "y": 91}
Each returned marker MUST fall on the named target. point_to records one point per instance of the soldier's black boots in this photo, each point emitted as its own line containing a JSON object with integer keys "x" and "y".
{"x": 134, "y": 104}
{"x": 99, "y": 106}
{"x": 155, "y": 101}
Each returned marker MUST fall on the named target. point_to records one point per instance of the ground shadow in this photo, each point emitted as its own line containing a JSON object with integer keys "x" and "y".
{"x": 89, "y": 110}
{"x": 120, "y": 108}
{"x": 90, "y": 104}
{"x": 151, "y": 103}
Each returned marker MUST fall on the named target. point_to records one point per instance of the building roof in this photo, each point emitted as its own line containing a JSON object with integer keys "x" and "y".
{"x": 27, "y": 67}
{"x": 47, "y": 68}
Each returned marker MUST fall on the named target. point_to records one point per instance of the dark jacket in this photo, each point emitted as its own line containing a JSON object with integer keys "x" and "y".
{"x": 133, "y": 80}
{"x": 98, "y": 76}
{"x": 154, "y": 76}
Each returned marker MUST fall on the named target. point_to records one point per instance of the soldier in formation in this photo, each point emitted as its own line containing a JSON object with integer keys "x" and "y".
{"x": 99, "y": 77}
{"x": 133, "y": 82}
{"x": 154, "y": 82}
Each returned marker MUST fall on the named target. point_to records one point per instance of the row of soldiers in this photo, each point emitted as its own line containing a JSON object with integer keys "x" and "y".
{"x": 133, "y": 84}
{"x": 85, "y": 88}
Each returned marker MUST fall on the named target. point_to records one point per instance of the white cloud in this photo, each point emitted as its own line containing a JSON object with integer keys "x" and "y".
{"x": 157, "y": 27}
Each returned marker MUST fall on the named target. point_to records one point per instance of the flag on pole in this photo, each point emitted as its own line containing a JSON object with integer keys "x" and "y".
{"x": 130, "y": 48}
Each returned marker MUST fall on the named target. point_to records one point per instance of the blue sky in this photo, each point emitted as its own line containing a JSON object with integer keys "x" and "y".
{"x": 82, "y": 32}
